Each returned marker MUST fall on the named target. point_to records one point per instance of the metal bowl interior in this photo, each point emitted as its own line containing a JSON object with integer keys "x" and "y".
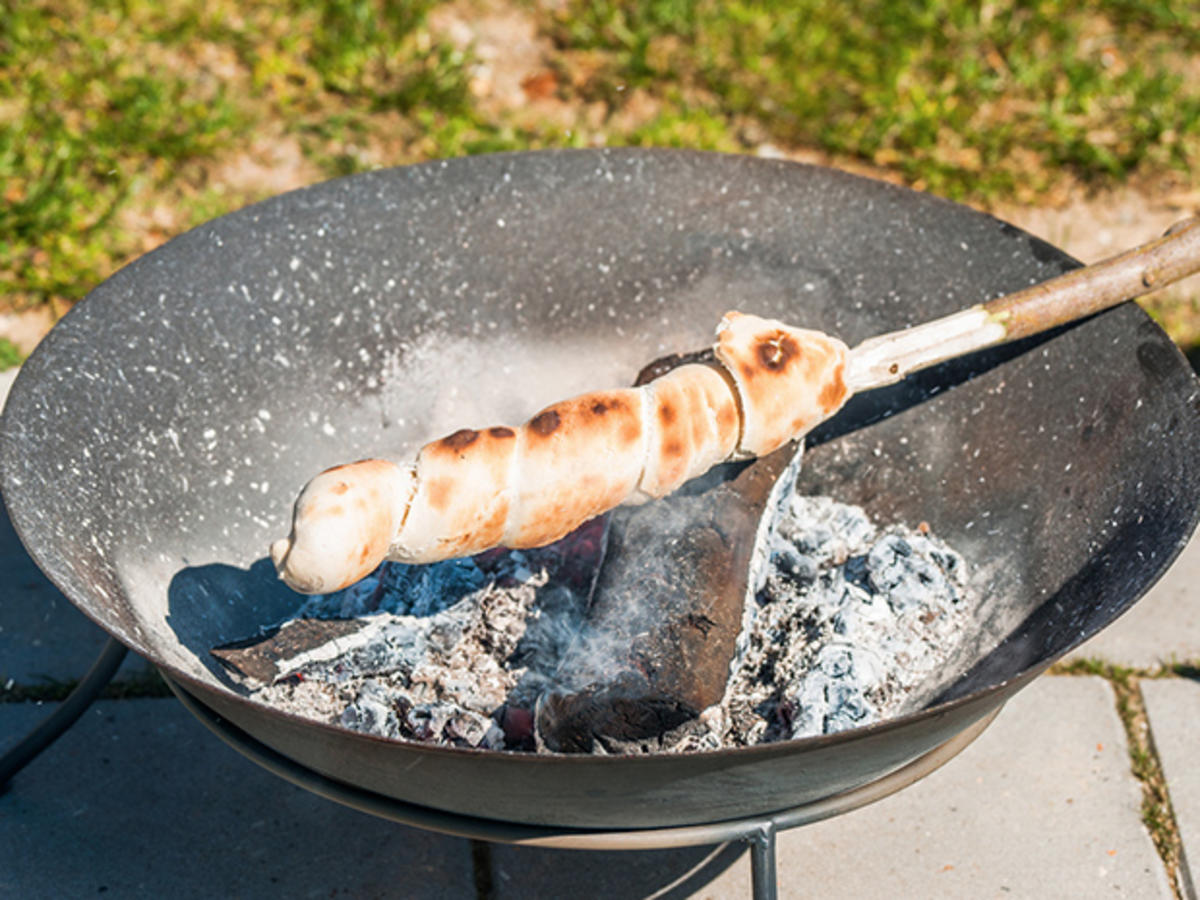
{"x": 153, "y": 444}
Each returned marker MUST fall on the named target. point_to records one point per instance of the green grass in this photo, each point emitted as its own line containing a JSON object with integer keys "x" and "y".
{"x": 83, "y": 122}
{"x": 141, "y": 686}
{"x": 110, "y": 109}
{"x": 117, "y": 117}
{"x": 973, "y": 101}
{"x": 10, "y": 354}
{"x": 1157, "y": 814}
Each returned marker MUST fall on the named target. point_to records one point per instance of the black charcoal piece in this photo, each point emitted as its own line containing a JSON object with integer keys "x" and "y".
{"x": 265, "y": 657}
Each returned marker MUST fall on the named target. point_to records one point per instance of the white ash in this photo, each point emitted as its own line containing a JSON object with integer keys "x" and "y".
{"x": 850, "y": 624}
{"x": 441, "y": 648}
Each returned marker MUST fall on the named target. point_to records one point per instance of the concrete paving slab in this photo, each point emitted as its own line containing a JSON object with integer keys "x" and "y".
{"x": 42, "y": 635}
{"x": 139, "y": 800}
{"x": 1041, "y": 805}
{"x": 1173, "y": 708}
{"x": 1163, "y": 627}
{"x": 522, "y": 872}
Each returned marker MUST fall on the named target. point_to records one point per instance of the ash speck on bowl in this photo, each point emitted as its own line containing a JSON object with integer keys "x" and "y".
{"x": 848, "y": 624}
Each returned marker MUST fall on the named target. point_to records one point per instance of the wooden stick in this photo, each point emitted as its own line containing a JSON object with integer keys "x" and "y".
{"x": 1081, "y": 292}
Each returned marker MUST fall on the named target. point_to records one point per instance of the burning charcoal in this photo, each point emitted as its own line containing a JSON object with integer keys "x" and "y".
{"x": 666, "y": 613}
{"x": 440, "y": 722}
{"x": 861, "y": 612}
{"x": 696, "y": 735}
{"x": 576, "y": 558}
{"x": 551, "y": 628}
{"x": 852, "y": 675}
{"x": 359, "y": 599}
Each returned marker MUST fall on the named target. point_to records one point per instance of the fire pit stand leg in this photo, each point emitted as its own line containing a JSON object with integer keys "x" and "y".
{"x": 77, "y": 702}
{"x": 762, "y": 862}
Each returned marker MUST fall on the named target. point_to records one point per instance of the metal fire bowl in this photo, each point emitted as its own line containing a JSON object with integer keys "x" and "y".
{"x": 153, "y": 444}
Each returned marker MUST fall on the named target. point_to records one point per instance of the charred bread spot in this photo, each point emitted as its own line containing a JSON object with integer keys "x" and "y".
{"x": 340, "y": 488}
{"x": 502, "y": 431}
{"x": 464, "y": 437}
{"x": 365, "y": 554}
{"x": 672, "y": 450}
{"x": 545, "y": 423}
{"x": 666, "y": 412}
{"x": 332, "y": 512}
{"x": 777, "y": 351}
{"x": 631, "y": 432}
{"x": 616, "y": 403}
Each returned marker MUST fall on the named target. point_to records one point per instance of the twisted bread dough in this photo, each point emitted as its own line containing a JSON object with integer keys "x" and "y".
{"x": 529, "y": 486}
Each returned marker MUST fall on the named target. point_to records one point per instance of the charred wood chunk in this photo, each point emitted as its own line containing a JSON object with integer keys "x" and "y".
{"x": 628, "y": 709}
{"x": 665, "y": 615}
{"x": 264, "y": 657}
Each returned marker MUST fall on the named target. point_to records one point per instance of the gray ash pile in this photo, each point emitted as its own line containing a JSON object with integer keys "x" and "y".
{"x": 848, "y": 624}
{"x": 456, "y": 652}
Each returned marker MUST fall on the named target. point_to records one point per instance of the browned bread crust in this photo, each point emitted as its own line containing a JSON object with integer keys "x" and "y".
{"x": 529, "y": 486}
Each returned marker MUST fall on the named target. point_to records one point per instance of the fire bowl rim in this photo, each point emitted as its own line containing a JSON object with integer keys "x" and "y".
{"x": 943, "y": 715}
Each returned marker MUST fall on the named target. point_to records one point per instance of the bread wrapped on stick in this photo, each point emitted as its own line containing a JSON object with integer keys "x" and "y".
{"x": 528, "y": 486}
{"x": 768, "y": 384}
